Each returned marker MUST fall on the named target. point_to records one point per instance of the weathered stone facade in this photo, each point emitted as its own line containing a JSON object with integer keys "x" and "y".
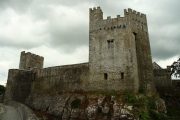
{"x": 119, "y": 60}
{"x": 29, "y": 60}
{"x": 119, "y": 51}
{"x": 162, "y": 78}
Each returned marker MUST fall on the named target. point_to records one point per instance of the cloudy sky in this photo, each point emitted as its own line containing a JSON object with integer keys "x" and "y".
{"x": 58, "y": 29}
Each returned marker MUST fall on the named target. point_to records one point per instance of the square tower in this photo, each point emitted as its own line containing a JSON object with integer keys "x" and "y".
{"x": 29, "y": 61}
{"x": 117, "y": 47}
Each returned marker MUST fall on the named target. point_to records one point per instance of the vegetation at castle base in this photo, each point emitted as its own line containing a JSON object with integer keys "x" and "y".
{"x": 2, "y": 89}
{"x": 172, "y": 99}
{"x": 144, "y": 106}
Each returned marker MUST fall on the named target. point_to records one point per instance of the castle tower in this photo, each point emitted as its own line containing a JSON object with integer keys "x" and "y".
{"x": 139, "y": 27}
{"x": 29, "y": 61}
{"x": 119, "y": 51}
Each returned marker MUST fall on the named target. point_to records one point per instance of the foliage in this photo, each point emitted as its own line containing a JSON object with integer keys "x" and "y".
{"x": 144, "y": 115}
{"x": 129, "y": 97}
{"x": 145, "y": 106}
{"x": 175, "y": 68}
{"x": 2, "y": 89}
{"x": 157, "y": 116}
{"x": 106, "y": 93}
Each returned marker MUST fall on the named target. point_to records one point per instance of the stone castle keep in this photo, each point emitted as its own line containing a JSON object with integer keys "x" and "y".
{"x": 119, "y": 60}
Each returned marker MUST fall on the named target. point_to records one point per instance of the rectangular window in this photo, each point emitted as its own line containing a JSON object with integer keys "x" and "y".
{"x": 122, "y": 75}
{"x": 110, "y": 43}
{"x": 105, "y": 76}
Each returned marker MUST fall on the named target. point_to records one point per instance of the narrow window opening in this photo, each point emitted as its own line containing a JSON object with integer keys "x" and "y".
{"x": 124, "y": 26}
{"x": 105, "y": 76}
{"x": 110, "y": 43}
{"x": 122, "y": 75}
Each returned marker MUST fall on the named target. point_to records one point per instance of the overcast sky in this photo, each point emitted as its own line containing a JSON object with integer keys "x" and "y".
{"x": 58, "y": 29}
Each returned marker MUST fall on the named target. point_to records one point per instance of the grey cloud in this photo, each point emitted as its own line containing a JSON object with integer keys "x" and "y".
{"x": 24, "y": 5}
{"x": 69, "y": 38}
{"x": 165, "y": 42}
{"x": 162, "y": 14}
{"x": 4, "y": 42}
{"x": 18, "y": 5}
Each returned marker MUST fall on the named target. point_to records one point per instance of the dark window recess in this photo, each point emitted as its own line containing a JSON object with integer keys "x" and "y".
{"x": 124, "y": 26}
{"x": 105, "y": 76}
{"x": 122, "y": 75}
{"x": 110, "y": 43}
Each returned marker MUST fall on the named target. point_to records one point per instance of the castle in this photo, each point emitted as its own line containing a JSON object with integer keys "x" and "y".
{"x": 119, "y": 60}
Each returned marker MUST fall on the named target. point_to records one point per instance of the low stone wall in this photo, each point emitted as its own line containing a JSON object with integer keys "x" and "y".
{"x": 162, "y": 78}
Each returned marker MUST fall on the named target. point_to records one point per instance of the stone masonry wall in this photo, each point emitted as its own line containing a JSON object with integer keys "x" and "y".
{"x": 29, "y": 61}
{"x": 119, "y": 50}
{"x": 18, "y": 85}
{"x": 139, "y": 28}
{"x": 162, "y": 78}
{"x": 66, "y": 78}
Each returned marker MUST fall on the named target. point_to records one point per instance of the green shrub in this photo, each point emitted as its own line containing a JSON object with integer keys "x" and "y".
{"x": 129, "y": 97}
{"x": 157, "y": 116}
{"x": 2, "y": 89}
{"x": 151, "y": 103}
{"x": 144, "y": 115}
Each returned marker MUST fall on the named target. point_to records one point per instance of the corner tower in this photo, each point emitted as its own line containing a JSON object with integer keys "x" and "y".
{"x": 29, "y": 60}
{"x": 117, "y": 48}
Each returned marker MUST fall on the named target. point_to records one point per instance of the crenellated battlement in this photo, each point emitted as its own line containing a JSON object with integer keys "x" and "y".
{"x": 95, "y": 9}
{"x": 131, "y": 12}
{"x": 29, "y": 60}
{"x": 131, "y": 19}
{"x": 32, "y": 55}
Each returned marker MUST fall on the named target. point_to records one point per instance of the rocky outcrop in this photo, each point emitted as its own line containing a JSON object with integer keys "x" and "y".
{"x": 160, "y": 105}
{"x": 81, "y": 107}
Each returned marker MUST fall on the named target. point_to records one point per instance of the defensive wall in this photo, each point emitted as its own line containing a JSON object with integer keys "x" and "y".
{"x": 162, "y": 78}
{"x": 18, "y": 85}
{"x": 66, "y": 78}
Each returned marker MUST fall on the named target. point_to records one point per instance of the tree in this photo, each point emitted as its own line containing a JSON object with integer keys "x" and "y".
{"x": 175, "y": 68}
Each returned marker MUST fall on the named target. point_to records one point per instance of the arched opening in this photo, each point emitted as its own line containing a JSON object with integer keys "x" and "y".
{"x": 76, "y": 104}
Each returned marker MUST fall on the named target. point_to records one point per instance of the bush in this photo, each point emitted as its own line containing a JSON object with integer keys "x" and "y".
{"x": 2, "y": 89}
{"x": 144, "y": 115}
{"x": 129, "y": 97}
{"x": 157, "y": 116}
